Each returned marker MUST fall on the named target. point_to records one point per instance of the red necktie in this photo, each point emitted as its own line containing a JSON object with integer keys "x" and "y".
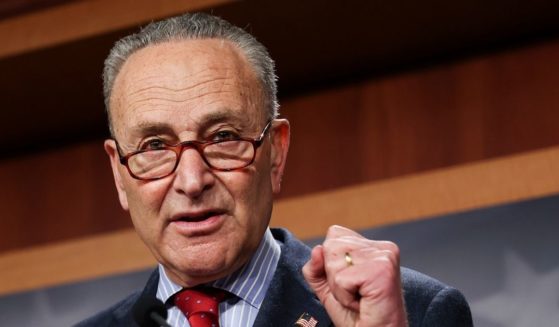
{"x": 200, "y": 305}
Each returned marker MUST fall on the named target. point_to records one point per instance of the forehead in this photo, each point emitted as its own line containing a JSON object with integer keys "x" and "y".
{"x": 183, "y": 82}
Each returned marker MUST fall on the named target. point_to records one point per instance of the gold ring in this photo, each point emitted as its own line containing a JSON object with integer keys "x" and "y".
{"x": 348, "y": 259}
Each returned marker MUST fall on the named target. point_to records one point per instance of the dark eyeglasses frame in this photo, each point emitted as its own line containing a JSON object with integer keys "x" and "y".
{"x": 198, "y": 146}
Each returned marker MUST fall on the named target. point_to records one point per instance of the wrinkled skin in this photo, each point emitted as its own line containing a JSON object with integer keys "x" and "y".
{"x": 200, "y": 224}
{"x": 366, "y": 293}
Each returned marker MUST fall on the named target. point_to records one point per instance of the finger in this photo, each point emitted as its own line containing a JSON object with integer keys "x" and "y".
{"x": 371, "y": 260}
{"x": 380, "y": 294}
{"x": 334, "y": 254}
{"x": 352, "y": 239}
{"x": 345, "y": 289}
{"x": 387, "y": 249}
{"x": 315, "y": 274}
{"x": 374, "y": 277}
{"x": 335, "y": 264}
{"x": 335, "y": 251}
{"x": 380, "y": 269}
{"x": 314, "y": 270}
{"x": 343, "y": 238}
{"x": 340, "y": 231}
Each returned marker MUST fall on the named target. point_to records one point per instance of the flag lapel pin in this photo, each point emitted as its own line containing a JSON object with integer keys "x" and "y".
{"x": 306, "y": 320}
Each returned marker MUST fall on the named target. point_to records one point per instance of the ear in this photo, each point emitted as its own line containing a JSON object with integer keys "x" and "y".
{"x": 110, "y": 149}
{"x": 279, "y": 137}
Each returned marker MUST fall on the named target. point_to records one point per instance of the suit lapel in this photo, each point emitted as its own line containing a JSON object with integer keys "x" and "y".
{"x": 289, "y": 296}
{"x": 123, "y": 315}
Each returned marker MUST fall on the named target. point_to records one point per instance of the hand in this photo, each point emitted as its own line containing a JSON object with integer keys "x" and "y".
{"x": 364, "y": 290}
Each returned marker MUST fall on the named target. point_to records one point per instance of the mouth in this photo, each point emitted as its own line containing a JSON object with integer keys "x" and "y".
{"x": 198, "y": 223}
{"x": 195, "y": 217}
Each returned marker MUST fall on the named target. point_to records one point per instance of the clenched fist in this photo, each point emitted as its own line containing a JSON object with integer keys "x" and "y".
{"x": 357, "y": 279}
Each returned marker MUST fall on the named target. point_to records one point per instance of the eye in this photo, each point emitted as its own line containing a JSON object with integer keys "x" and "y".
{"x": 225, "y": 136}
{"x": 153, "y": 144}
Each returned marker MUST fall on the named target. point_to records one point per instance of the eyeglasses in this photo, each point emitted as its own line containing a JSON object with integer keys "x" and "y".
{"x": 222, "y": 155}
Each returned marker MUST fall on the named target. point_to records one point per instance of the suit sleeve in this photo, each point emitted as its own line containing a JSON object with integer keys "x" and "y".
{"x": 448, "y": 309}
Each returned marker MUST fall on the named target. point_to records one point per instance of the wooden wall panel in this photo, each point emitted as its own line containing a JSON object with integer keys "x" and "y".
{"x": 81, "y": 19}
{"x": 448, "y": 115}
{"x": 58, "y": 195}
{"x": 383, "y": 128}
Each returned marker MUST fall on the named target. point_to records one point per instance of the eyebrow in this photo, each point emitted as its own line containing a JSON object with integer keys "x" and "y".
{"x": 220, "y": 117}
{"x": 145, "y": 127}
{"x": 150, "y": 127}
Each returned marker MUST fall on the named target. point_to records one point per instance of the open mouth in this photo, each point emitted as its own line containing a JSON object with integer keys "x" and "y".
{"x": 198, "y": 217}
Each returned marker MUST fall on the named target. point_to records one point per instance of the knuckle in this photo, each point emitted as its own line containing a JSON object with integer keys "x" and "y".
{"x": 389, "y": 246}
{"x": 330, "y": 265}
{"x": 329, "y": 243}
{"x": 333, "y": 231}
{"x": 329, "y": 247}
{"x": 392, "y": 247}
{"x": 339, "y": 280}
{"x": 386, "y": 260}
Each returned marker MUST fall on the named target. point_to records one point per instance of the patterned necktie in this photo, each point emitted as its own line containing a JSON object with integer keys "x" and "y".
{"x": 200, "y": 305}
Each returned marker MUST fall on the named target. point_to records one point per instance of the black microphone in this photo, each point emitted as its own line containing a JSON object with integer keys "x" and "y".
{"x": 149, "y": 311}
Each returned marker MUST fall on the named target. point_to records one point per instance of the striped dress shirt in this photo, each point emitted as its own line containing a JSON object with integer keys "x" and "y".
{"x": 249, "y": 285}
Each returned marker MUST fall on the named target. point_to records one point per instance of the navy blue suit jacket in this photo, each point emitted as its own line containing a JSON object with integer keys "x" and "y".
{"x": 428, "y": 301}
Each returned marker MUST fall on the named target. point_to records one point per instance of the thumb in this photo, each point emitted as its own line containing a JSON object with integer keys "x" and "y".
{"x": 314, "y": 271}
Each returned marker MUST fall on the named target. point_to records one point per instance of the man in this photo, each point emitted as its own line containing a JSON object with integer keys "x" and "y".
{"x": 197, "y": 154}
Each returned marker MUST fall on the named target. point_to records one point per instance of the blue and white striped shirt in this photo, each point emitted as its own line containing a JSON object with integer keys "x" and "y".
{"x": 249, "y": 284}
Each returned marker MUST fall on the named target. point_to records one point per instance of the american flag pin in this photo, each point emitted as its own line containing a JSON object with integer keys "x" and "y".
{"x": 306, "y": 320}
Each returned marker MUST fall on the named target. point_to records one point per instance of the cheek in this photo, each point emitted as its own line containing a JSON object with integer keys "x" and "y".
{"x": 255, "y": 197}
{"x": 249, "y": 191}
{"x": 145, "y": 201}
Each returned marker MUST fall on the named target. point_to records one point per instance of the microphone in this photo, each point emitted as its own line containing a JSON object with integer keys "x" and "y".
{"x": 149, "y": 311}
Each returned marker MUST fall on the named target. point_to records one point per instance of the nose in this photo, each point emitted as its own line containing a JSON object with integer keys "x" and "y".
{"x": 193, "y": 176}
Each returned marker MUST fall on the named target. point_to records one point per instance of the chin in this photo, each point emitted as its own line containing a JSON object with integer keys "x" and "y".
{"x": 198, "y": 262}
{"x": 193, "y": 273}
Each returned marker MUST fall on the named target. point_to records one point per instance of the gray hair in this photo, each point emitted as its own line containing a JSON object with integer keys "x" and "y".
{"x": 188, "y": 27}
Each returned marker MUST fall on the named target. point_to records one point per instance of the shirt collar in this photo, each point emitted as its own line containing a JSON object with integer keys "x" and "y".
{"x": 249, "y": 283}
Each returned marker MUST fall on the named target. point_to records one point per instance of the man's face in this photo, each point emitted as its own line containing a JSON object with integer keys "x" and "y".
{"x": 201, "y": 224}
